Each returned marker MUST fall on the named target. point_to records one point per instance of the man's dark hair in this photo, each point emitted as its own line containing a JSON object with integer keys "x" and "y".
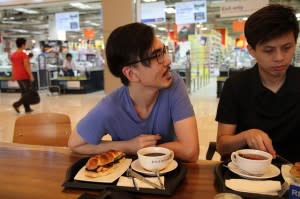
{"x": 270, "y": 22}
{"x": 20, "y": 42}
{"x": 69, "y": 55}
{"x": 127, "y": 44}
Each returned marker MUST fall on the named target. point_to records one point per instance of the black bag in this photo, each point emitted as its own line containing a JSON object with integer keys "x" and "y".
{"x": 32, "y": 97}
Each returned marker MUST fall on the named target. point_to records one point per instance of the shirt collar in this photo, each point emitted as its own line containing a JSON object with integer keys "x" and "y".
{"x": 290, "y": 85}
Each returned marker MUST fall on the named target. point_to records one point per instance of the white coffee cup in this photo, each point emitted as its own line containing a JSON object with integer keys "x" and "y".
{"x": 253, "y": 161}
{"x": 227, "y": 196}
{"x": 155, "y": 158}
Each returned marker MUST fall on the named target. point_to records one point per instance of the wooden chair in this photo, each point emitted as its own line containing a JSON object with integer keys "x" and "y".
{"x": 52, "y": 129}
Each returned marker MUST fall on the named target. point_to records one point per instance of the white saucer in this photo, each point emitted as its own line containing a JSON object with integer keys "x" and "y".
{"x": 135, "y": 165}
{"x": 271, "y": 172}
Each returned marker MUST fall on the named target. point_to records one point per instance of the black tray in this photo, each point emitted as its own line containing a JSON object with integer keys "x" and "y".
{"x": 172, "y": 180}
{"x": 223, "y": 173}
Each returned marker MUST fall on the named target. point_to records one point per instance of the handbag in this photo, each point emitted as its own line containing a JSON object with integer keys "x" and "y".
{"x": 32, "y": 97}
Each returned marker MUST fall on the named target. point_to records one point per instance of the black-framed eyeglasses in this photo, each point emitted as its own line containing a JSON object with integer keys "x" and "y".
{"x": 159, "y": 54}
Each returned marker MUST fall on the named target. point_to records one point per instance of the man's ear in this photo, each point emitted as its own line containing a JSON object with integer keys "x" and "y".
{"x": 130, "y": 74}
{"x": 251, "y": 51}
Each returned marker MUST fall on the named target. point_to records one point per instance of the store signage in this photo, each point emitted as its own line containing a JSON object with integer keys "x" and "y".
{"x": 89, "y": 33}
{"x": 149, "y": 16}
{"x": 241, "y": 8}
{"x": 67, "y": 21}
{"x": 191, "y": 12}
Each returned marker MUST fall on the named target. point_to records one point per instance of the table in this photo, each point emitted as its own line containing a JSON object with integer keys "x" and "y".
{"x": 34, "y": 172}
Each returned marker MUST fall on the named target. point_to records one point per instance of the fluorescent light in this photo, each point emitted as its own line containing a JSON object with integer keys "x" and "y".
{"x": 298, "y": 15}
{"x": 153, "y": 25}
{"x": 12, "y": 22}
{"x": 80, "y": 6}
{"x": 161, "y": 29}
{"x": 19, "y": 30}
{"x": 147, "y": 1}
{"x": 170, "y": 10}
{"x": 27, "y": 11}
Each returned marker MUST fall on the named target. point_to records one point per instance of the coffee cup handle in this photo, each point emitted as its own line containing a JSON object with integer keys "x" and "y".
{"x": 233, "y": 158}
{"x": 171, "y": 156}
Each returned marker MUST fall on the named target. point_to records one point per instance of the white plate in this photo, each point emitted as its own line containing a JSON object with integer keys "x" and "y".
{"x": 135, "y": 165}
{"x": 271, "y": 172}
{"x": 122, "y": 167}
{"x": 285, "y": 172}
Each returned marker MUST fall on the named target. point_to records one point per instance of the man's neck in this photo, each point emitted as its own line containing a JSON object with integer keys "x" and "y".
{"x": 272, "y": 83}
{"x": 143, "y": 100}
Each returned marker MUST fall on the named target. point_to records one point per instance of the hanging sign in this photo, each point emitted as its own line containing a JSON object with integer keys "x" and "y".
{"x": 149, "y": 16}
{"x": 67, "y": 21}
{"x": 191, "y": 12}
{"x": 241, "y": 8}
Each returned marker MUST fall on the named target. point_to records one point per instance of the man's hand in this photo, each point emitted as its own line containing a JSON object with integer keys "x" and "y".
{"x": 257, "y": 139}
{"x": 31, "y": 77}
{"x": 142, "y": 141}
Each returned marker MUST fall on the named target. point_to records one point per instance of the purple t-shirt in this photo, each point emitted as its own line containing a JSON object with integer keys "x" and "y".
{"x": 115, "y": 115}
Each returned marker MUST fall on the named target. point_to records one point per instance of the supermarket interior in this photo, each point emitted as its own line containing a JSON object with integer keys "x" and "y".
{"x": 205, "y": 41}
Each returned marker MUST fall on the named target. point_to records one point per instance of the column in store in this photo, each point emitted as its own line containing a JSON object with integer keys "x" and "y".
{"x": 116, "y": 13}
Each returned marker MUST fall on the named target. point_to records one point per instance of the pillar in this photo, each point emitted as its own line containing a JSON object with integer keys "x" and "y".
{"x": 115, "y": 14}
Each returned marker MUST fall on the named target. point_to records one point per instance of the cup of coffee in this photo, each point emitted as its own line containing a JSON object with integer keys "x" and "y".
{"x": 227, "y": 196}
{"x": 253, "y": 161}
{"x": 155, "y": 158}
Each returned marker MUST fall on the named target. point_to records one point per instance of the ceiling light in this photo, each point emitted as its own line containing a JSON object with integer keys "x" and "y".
{"x": 80, "y": 6}
{"x": 170, "y": 10}
{"x": 153, "y": 25}
{"x": 147, "y": 1}
{"x": 161, "y": 29}
{"x": 27, "y": 11}
{"x": 12, "y": 22}
{"x": 19, "y": 30}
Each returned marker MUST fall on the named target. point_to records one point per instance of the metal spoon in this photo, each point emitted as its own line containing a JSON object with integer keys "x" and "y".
{"x": 159, "y": 180}
{"x": 279, "y": 157}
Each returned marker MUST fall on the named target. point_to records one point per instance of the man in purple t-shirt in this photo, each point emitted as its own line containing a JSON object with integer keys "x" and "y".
{"x": 151, "y": 109}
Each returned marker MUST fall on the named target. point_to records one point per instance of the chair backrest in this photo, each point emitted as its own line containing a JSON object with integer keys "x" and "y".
{"x": 52, "y": 129}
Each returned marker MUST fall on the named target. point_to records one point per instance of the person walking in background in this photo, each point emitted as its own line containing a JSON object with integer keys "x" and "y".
{"x": 21, "y": 72}
{"x": 151, "y": 109}
{"x": 260, "y": 108}
{"x": 69, "y": 65}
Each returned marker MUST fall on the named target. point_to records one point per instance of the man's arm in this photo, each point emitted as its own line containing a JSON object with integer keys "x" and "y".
{"x": 28, "y": 68}
{"x": 79, "y": 145}
{"x": 186, "y": 147}
{"x": 228, "y": 141}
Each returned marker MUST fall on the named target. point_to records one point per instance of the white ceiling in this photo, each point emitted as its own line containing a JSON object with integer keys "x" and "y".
{"x": 13, "y": 22}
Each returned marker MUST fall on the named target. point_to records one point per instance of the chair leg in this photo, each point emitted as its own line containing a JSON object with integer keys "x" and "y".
{"x": 211, "y": 150}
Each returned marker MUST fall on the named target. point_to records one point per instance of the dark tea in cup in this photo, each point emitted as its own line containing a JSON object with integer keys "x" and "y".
{"x": 154, "y": 154}
{"x": 253, "y": 156}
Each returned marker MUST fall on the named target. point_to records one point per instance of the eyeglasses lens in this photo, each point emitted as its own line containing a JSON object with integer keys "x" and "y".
{"x": 160, "y": 56}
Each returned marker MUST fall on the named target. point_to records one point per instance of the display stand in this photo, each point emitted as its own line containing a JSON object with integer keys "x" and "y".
{"x": 89, "y": 82}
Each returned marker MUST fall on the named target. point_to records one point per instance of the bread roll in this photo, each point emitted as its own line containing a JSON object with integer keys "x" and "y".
{"x": 295, "y": 170}
{"x": 103, "y": 164}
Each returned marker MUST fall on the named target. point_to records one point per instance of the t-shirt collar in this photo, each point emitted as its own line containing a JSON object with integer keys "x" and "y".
{"x": 288, "y": 86}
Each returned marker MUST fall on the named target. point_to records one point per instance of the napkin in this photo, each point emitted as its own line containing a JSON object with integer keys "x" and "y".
{"x": 127, "y": 182}
{"x": 266, "y": 187}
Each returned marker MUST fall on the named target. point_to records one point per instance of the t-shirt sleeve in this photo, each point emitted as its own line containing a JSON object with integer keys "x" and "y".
{"x": 92, "y": 127}
{"x": 227, "y": 111}
{"x": 180, "y": 101}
